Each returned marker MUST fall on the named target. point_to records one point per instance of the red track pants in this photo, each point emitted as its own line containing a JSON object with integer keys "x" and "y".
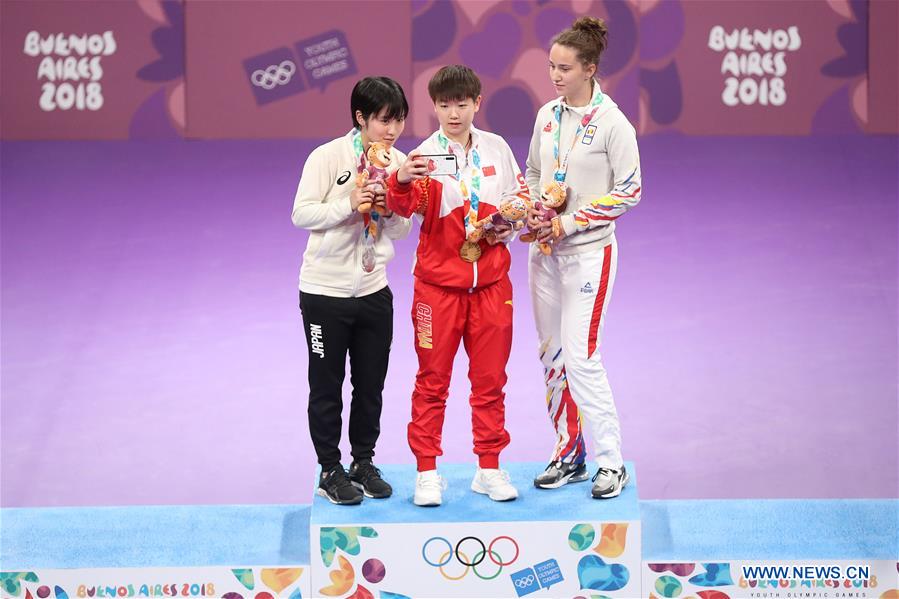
{"x": 482, "y": 319}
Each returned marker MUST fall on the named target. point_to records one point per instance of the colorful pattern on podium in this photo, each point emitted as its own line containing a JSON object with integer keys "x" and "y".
{"x": 225, "y": 552}
{"x": 771, "y": 549}
{"x": 691, "y": 549}
{"x": 546, "y": 543}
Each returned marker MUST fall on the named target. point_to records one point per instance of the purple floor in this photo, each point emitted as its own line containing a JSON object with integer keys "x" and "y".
{"x": 152, "y": 351}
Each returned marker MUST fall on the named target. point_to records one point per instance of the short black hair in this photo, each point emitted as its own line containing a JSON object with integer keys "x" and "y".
{"x": 371, "y": 95}
{"x": 454, "y": 82}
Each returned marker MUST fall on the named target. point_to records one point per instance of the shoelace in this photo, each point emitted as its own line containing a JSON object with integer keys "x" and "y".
{"x": 559, "y": 465}
{"x": 338, "y": 478}
{"x": 436, "y": 482}
{"x": 607, "y": 471}
{"x": 367, "y": 471}
{"x": 502, "y": 475}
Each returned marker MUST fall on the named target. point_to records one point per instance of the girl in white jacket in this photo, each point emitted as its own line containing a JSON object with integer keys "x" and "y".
{"x": 346, "y": 304}
{"x": 583, "y": 145}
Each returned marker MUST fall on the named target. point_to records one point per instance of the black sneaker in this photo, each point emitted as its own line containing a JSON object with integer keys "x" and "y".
{"x": 337, "y": 488}
{"x": 608, "y": 483}
{"x": 368, "y": 479}
{"x": 560, "y": 473}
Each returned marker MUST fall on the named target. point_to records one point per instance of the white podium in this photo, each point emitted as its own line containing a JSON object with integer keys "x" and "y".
{"x": 546, "y": 543}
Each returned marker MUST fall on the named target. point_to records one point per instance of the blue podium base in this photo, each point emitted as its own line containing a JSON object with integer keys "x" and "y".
{"x": 771, "y": 549}
{"x": 704, "y": 549}
{"x": 238, "y": 552}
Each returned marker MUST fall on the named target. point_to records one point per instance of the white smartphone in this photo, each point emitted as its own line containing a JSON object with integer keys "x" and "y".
{"x": 441, "y": 164}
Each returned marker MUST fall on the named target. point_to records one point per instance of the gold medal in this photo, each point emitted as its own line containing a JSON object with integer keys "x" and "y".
{"x": 470, "y": 251}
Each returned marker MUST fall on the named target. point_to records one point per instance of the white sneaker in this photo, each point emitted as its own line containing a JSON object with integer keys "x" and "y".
{"x": 429, "y": 487}
{"x": 494, "y": 483}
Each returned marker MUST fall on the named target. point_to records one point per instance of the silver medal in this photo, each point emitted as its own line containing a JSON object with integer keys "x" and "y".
{"x": 368, "y": 259}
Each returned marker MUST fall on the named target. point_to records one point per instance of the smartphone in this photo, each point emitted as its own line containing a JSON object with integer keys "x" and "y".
{"x": 441, "y": 164}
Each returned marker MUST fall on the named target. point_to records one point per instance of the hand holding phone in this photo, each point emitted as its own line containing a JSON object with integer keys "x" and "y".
{"x": 441, "y": 164}
{"x": 415, "y": 167}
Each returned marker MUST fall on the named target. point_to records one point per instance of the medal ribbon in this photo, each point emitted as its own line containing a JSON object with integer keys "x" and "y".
{"x": 370, "y": 220}
{"x": 469, "y": 188}
{"x": 562, "y": 169}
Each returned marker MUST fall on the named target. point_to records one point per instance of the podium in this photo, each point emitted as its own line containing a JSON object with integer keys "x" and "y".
{"x": 546, "y": 543}
{"x": 771, "y": 549}
{"x": 557, "y": 543}
{"x": 194, "y": 551}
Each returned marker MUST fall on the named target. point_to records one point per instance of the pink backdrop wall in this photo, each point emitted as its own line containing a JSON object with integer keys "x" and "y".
{"x": 746, "y": 68}
{"x": 271, "y": 68}
{"x": 324, "y": 47}
{"x": 95, "y": 89}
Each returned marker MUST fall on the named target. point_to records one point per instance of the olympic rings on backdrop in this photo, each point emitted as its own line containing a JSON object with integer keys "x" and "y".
{"x": 276, "y": 74}
{"x": 485, "y": 551}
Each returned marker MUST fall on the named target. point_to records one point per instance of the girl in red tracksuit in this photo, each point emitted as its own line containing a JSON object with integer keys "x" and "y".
{"x": 462, "y": 288}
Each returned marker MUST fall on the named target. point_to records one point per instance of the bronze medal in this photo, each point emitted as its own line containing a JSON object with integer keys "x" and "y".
{"x": 470, "y": 251}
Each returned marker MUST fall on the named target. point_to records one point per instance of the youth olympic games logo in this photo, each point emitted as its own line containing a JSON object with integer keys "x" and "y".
{"x": 525, "y": 581}
{"x": 483, "y": 552}
{"x": 276, "y": 74}
{"x": 279, "y": 73}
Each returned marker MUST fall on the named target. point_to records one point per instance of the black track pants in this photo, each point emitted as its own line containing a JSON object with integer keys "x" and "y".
{"x": 362, "y": 326}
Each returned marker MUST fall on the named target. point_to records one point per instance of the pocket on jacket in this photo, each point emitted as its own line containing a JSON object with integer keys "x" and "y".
{"x": 325, "y": 241}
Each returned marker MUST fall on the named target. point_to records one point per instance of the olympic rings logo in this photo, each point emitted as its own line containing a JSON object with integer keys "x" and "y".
{"x": 525, "y": 581}
{"x": 484, "y": 552}
{"x": 276, "y": 74}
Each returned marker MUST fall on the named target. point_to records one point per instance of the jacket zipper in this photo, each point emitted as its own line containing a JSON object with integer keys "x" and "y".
{"x": 357, "y": 268}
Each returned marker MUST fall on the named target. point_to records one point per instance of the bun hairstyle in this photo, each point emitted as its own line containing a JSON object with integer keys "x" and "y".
{"x": 588, "y": 36}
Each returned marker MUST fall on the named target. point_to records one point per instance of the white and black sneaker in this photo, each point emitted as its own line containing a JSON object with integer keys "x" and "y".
{"x": 607, "y": 483}
{"x": 335, "y": 486}
{"x": 366, "y": 477}
{"x": 560, "y": 473}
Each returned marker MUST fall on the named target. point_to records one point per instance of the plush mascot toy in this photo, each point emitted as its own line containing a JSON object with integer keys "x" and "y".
{"x": 512, "y": 212}
{"x": 376, "y": 172}
{"x": 552, "y": 198}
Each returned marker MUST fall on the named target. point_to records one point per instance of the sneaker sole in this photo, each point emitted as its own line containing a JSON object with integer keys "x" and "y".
{"x": 479, "y": 489}
{"x": 426, "y": 504}
{"x": 322, "y": 493}
{"x": 564, "y": 481}
{"x": 617, "y": 492}
{"x": 369, "y": 495}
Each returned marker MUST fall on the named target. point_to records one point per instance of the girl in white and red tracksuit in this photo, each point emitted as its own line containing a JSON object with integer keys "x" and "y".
{"x": 457, "y": 300}
{"x": 589, "y": 145}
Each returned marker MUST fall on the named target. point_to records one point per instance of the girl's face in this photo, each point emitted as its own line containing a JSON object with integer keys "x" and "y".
{"x": 569, "y": 75}
{"x": 380, "y": 128}
{"x": 455, "y": 116}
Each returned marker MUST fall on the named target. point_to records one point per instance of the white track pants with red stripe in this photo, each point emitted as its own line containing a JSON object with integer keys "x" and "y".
{"x": 570, "y": 296}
